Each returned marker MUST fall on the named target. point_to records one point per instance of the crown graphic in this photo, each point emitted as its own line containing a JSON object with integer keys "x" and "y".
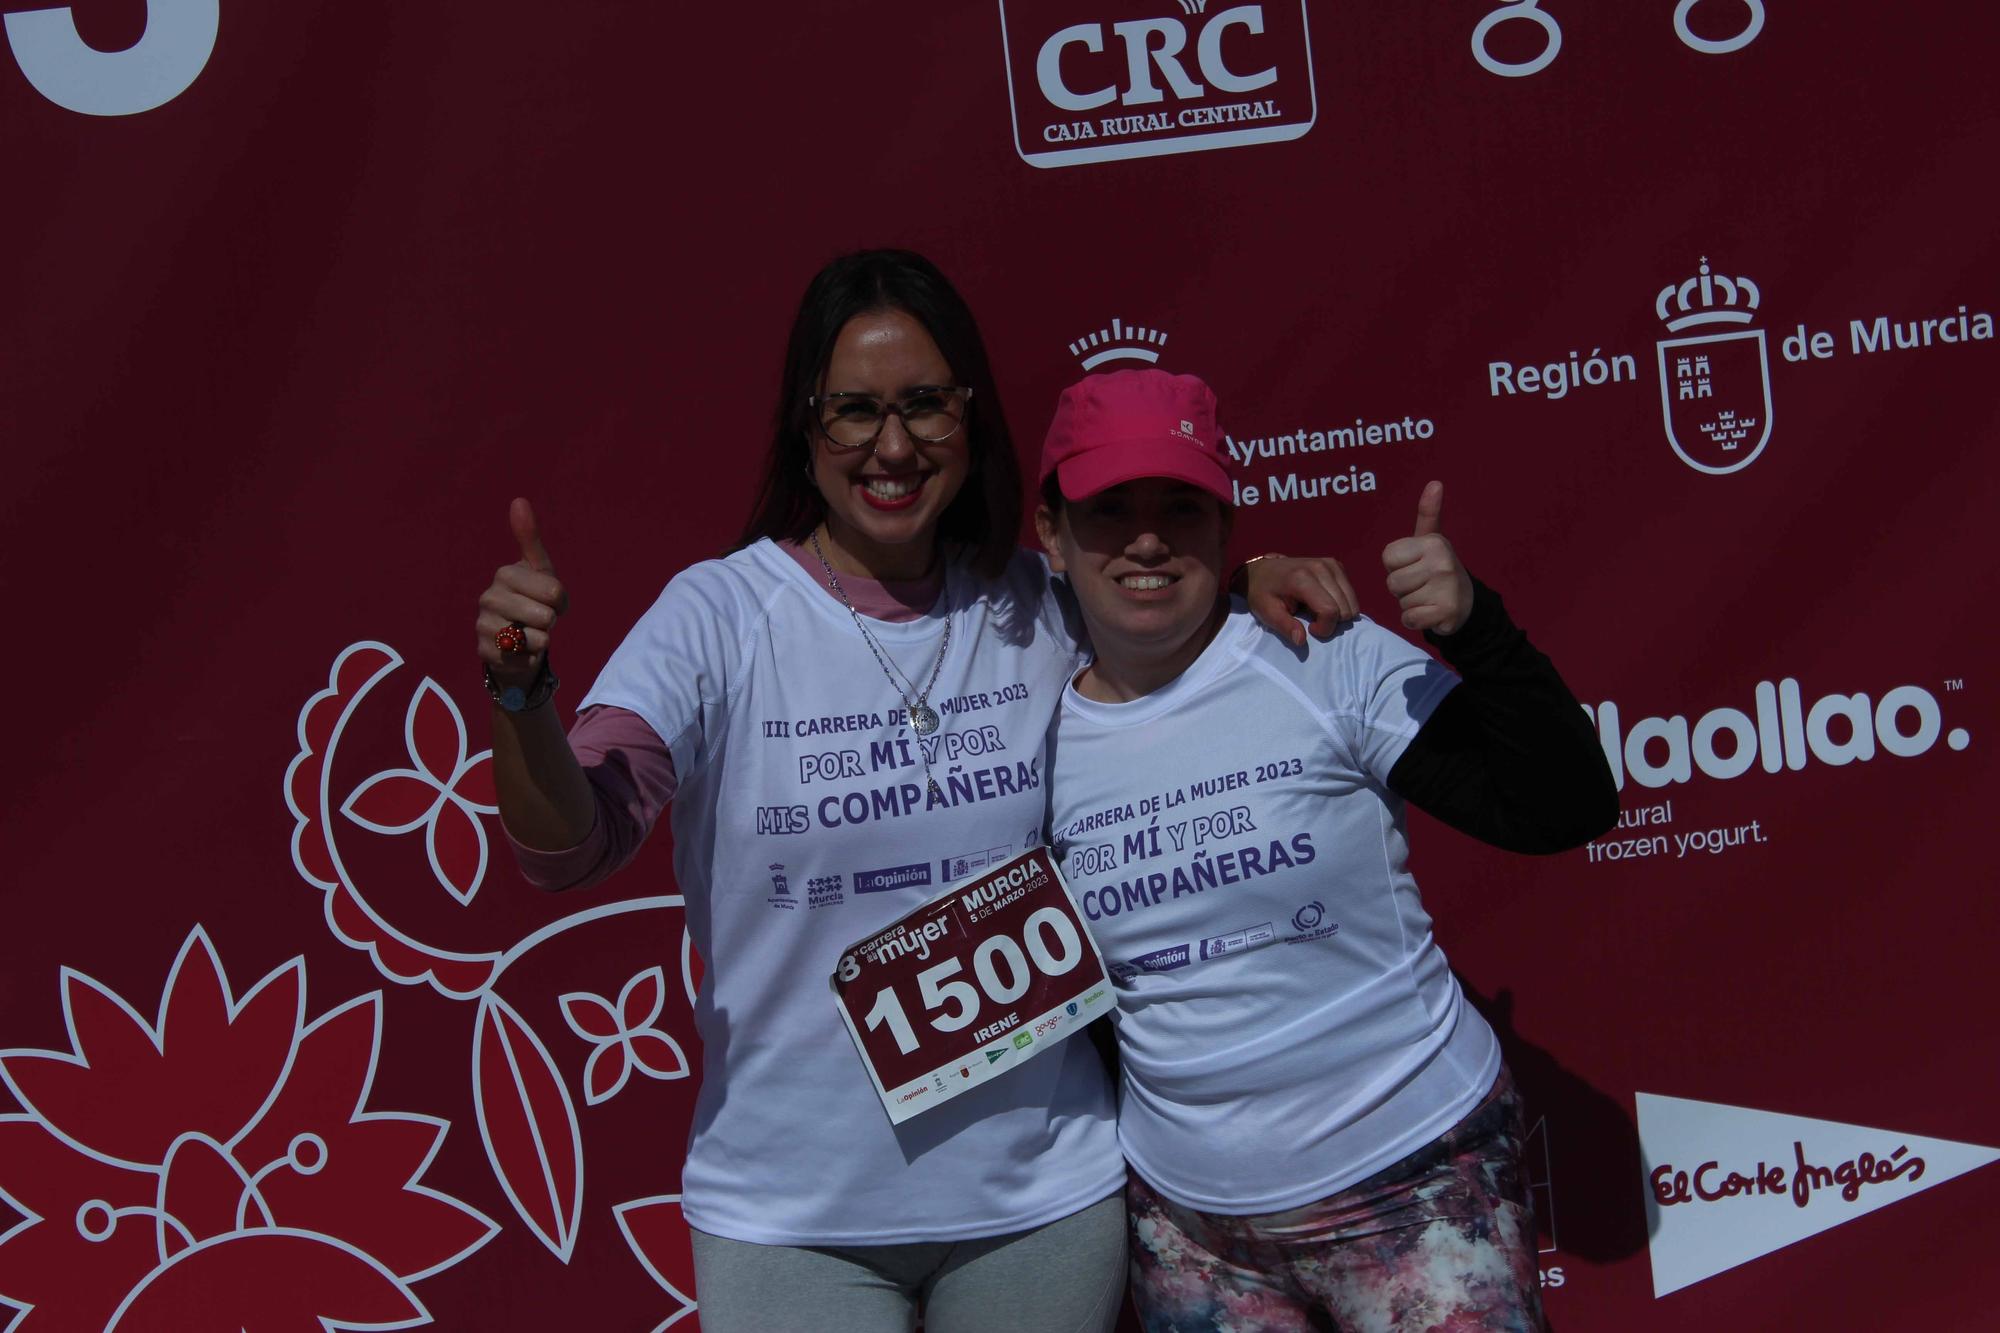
{"x": 1118, "y": 341}
{"x": 1728, "y": 431}
{"x": 1193, "y": 6}
{"x": 1708, "y": 298}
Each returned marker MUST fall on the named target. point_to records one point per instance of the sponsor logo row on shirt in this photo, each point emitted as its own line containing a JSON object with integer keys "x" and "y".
{"x": 834, "y": 889}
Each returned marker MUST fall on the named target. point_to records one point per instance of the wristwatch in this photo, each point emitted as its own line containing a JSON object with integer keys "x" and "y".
{"x": 514, "y": 699}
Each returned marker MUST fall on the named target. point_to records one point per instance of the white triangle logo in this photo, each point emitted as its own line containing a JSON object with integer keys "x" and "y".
{"x": 1725, "y": 1184}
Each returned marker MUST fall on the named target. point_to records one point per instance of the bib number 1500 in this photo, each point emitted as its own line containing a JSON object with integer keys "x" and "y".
{"x": 1051, "y": 941}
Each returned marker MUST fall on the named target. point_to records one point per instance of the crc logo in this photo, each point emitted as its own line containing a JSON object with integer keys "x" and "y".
{"x": 1134, "y": 82}
{"x": 160, "y": 66}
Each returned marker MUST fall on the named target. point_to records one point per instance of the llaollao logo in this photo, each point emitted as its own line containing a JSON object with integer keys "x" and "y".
{"x": 1122, "y": 79}
{"x": 1778, "y": 732}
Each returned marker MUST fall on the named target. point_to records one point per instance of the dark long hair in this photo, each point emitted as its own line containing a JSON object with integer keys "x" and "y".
{"x": 984, "y": 518}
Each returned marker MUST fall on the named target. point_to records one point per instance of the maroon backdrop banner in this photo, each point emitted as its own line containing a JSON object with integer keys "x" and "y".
{"x": 1690, "y": 305}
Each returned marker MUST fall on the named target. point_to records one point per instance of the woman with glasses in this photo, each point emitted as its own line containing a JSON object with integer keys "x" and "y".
{"x": 794, "y": 703}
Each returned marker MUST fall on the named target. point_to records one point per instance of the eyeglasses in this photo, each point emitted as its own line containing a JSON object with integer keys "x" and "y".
{"x": 854, "y": 420}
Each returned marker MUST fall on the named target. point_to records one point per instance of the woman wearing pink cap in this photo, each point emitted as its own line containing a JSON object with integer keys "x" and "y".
{"x": 786, "y": 701}
{"x": 1318, "y": 1125}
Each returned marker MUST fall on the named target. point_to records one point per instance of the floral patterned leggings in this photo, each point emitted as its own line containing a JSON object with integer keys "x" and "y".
{"x": 1443, "y": 1240}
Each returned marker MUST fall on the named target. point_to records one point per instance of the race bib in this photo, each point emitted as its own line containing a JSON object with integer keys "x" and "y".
{"x": 971, "y": 984}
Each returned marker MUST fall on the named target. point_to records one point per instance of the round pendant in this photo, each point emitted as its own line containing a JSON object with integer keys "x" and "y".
{"x": 923, "y": 719}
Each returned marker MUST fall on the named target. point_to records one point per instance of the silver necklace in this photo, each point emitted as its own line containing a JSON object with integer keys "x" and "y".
{"x": 923, "y": 718}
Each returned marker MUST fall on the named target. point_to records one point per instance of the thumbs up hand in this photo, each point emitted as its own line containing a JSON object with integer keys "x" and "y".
{"x": 525, "y": 593}
{"x": 1425, "y": 576}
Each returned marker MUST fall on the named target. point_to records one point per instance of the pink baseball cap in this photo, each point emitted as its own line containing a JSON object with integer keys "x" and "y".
{"x": 1129, "y": 424}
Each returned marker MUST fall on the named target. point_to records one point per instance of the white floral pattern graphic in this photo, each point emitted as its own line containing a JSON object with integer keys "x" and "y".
{"x": 218, "y": 1167}
{"x": 623, "y": 1035}
{"x": 443, "y": 793}
{"x": 523, "y": 1091}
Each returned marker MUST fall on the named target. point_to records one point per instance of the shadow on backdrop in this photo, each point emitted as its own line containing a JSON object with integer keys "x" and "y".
{"x": 1584, "y": 1163}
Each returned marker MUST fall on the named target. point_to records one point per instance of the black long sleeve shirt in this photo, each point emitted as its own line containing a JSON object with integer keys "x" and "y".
{"x": 1509, "y": 756}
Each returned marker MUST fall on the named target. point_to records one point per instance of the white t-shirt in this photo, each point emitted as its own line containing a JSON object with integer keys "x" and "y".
{"x": 801, "y": 824}
{"x": 1287, "y": 1024}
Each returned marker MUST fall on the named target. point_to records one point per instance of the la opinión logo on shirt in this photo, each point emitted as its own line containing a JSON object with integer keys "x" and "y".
{"x": 892, "y": 877}
{"x": 1162, "y": 960}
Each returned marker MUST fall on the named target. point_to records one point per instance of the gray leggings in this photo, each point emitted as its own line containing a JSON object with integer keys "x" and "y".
{"x": 1065, "y": 1277}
